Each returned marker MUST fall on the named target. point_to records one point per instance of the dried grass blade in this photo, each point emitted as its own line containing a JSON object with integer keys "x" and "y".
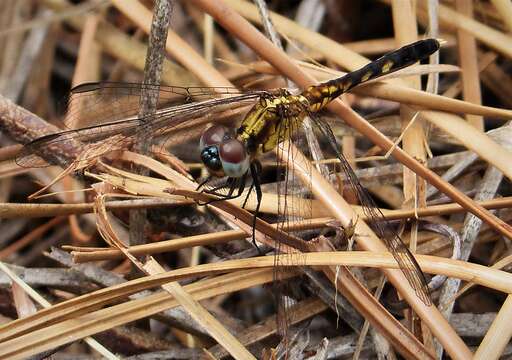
{"x": 492, "y": 278}
{"x": 52, "y": 333}
{"x": 43, "y": 302}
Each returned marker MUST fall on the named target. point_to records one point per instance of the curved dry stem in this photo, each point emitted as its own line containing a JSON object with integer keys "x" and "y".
{"x": 152, "y": 267}
{"x": 67, "y": 322}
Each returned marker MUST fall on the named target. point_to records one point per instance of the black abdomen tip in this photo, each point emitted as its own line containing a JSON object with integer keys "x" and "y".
{"x": 426, "y": 47}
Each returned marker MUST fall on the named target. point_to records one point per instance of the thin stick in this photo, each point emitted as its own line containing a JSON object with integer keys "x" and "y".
{"x": 498, "y": 335}
{"x": 149, "y": 100}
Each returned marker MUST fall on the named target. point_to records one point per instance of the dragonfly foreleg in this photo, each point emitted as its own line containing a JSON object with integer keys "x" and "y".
{"x": 232, "y": 184}
{"x": 203, "y": 183}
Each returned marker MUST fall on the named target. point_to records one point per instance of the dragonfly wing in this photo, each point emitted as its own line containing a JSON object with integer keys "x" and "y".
{"x": 105, "y": 101}
{"x": 118, "y": 133}
{"x": 379, "y": 224}
{"x": 294, "y": 205}
{"x": 64, "y": 147}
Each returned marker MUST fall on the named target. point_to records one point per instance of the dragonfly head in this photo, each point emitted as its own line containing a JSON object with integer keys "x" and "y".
{"x": 222, "y": 153}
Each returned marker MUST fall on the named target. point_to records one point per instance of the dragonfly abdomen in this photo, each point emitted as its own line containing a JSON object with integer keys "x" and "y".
{"x": 320, "y": 95}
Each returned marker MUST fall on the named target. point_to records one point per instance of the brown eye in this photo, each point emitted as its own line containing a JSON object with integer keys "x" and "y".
{"x": 214, "y": 135}
{"x": 233, "y": 157}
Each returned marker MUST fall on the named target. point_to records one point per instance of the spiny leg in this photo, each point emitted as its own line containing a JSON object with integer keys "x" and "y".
{"x": 241, "y": 187}
{"x": 259, "y": 168}
{"x": 203, "y": 182}
{"x": 256, "y": 182}
{"x": 233, "y": 183}
{"x": 229, "y": 182}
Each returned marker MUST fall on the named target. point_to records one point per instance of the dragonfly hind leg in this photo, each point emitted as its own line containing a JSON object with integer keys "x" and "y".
{"x": 255, "y": 174}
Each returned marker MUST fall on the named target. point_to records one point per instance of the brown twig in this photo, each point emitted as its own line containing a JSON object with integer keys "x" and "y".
{"x": 149, "y": 101}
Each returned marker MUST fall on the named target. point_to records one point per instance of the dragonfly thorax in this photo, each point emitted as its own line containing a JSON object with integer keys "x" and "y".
{"x": 222, "y": 153}
{"x": 271, "y": 121}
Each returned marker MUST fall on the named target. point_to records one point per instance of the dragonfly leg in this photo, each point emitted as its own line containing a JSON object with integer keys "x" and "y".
{"x": 247, "y": 196}
{"x": 258, "y": 168}
{"x": 256, "y": 183}
{"x": 232, "y": 183}
{"x": 241, "y": 186}
{"x": 203, "y": 182}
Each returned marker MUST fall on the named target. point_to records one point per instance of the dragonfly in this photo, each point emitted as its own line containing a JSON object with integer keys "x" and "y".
{"x": 228, "y": 153}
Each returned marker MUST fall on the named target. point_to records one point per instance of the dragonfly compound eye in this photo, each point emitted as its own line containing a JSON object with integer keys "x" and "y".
{"x": 211, "y": 159}
{"x": 234, "y": 158}
{"x": 214, "y": 135}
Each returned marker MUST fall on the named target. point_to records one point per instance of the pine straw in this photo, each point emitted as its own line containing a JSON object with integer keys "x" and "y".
{"x": 492, "y": 278}
{"x": 237, "y": 26}
{"x": 79, "y": 317}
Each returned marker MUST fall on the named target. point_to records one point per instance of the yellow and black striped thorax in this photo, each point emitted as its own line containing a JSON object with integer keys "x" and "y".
{"x": 320, "y": 95}
{"x": 272, "y": 120}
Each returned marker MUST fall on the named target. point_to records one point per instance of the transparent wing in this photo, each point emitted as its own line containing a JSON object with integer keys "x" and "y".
{"x": 64, "y": 147}
{"x": 111, "y": 110}
{"x": 379, "y": 224}
{"x": 101, "y": 102}
{"x": 294, "y": 205}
